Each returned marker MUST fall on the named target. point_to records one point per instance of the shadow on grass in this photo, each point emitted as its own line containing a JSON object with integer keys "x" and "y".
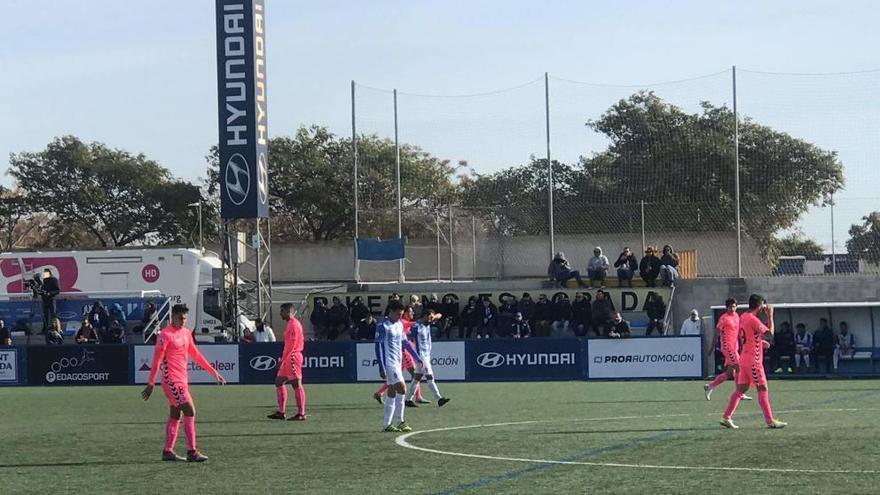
{"x": 629, "y": 430}
{"x": 634, "y": 401}
{"x": 108, "y": 462}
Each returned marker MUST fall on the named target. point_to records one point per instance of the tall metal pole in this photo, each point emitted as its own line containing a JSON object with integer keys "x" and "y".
{"x": 739, "y": 272}
{"x": 549, "y": 164}
{"x": 451, "y": 253}
{"x": 437, "y": 225}
{"x": 474, "y": 239}
{"x": 354, "y": 154}
{"x": 833, "y": 249}
{"x": 201, "y": 232}
{"x": 644, "y": 244}
{"x": 397, "y": 179}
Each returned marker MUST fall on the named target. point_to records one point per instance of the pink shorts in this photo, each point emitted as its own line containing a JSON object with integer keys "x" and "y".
{"x": 177, "y": 393}
{"x": 731, "y": 358}
{"x": 408, "y": 361}
{"x": 291, "y": 368}
{"x": 752, "y": 375}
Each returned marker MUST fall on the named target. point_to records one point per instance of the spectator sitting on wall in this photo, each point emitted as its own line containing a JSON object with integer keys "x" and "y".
{"x": 320, "y": 319}
{"x": 366, "y": 328}
{"x": 54, "y": 335}
{"x": 118, "y": 314}
{"x": 581, "y": 315}
{"x": 803, "y": 342}
{"x": 262, "y": 332}
{"x": 846, "y": 343}
{"x": 693, "y": 325}
{"x": 560, "y": 272}
{"x": 543, "y": 317}
{"x": 603, "y": 311}
{"x": 520, "y": 328}
{"x": 597, "y": 267}
{"x": 783, "y": 347}
{"x": 668, "y": 266}
{"x": 470, "y": 319}
{"x": 338, "y": 318}
{"x": 488, "y": 319}
{"x": 626, "y": 265}
{"x": 649, "y": 267}
{"x": 824, "y": 343}
{"x": 450, "y": 311}
{"x": 561, "y": 315}
{"x": 618, "y": 327}
{"x": 656, "y": 311}
{"x": 100, "y": 317}
{"x": 86, "y": 333}
{"x": 506, "y": 313}
{"x": 5, "y": 334}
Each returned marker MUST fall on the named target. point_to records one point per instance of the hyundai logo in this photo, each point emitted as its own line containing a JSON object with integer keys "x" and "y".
{"x": 238, "y": 179}
{"x": 263, "y": 363}
{"x": 262, "y": 178}
{"x": 490, "y": 360}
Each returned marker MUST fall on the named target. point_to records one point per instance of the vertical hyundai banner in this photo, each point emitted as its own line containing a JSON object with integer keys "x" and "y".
{"x": 241, "y": 92}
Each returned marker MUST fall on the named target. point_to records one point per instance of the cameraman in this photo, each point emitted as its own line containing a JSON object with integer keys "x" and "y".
{"x": 48, "y": 291}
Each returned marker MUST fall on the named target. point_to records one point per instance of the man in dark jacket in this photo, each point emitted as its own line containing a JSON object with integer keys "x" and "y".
{"x": 320, "y": 319}
{"x": 543, "y": 317}
{"x": 561, "y": 315}
{"x": 520, "y": 329}
{"x": 783, "y": 346}
{"x": 618, "y": 328}
{"x": 450, "y": 310}
{"x": 824, "y": 342}
{"x": 506, "y": 313}
{"x": 339, "y": 318}
{"x": 603, "y": 310}
{"x": 649, "y": 267}
{"x": 656, "y": 311}
{"x": 470, "y": 319}
{"x": 526, "y": 306}
{"x": 48, "y": 292}
{"x": 626, "y": 267}
{"x": 581, "y": 315}
{"x": 488, "y": 319}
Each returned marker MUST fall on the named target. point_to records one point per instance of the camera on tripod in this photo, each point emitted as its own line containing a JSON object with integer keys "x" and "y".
{"x": 35, "y": 285}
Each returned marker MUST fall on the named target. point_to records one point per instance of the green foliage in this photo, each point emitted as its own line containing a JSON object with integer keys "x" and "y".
{"x": 864, "y": 240}
{"x": 112, "y": 196}
{"x": 795, "y": 244}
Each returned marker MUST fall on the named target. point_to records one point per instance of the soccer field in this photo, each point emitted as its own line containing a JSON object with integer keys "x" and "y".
{"x": 561, "y": 437}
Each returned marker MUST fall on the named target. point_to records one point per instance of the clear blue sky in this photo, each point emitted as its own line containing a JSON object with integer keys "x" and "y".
{"x": 140, "y": 75}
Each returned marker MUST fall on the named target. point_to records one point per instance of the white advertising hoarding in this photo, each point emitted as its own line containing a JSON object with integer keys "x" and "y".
{"x": 223, "y": 358}
{"x": 660, "y": 357}
{"x": 447, "y": 360}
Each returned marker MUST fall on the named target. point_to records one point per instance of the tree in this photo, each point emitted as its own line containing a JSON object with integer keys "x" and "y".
{"x": 864, "y": 239}
{"x": 311, "y": 188}
{"x": 796, "y": 244}
{"x": 108, "y": 196}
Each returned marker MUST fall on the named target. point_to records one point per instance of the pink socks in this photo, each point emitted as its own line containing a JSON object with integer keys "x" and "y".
{"x": 189, "y": 429}
{"x": 721, "y": 378}
{"x": 764, "y": 401}
{"x": 281, "y": 397}
{"x": 300, "y": 394}
{"x": 735, "y": 397}
{"x": 171, "y": 428}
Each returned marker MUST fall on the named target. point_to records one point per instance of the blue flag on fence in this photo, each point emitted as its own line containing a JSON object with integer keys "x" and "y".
{"x": 379, "y": 250}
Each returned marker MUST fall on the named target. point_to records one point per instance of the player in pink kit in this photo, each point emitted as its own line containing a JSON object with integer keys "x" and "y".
{"x": 728, "y": 332}
{"x": 751, "y": 362}
{"x": 290, "y": 368}
{"x": 174, "y": 345}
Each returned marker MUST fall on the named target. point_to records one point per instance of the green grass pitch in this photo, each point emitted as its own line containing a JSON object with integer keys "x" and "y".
{"x": 107, "y": 440}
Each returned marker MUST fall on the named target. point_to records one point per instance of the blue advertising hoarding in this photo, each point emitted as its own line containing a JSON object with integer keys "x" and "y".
{"x": 241, "y": 92}
{"x": 525, "y": 359}
{"x": 323, "y": 362}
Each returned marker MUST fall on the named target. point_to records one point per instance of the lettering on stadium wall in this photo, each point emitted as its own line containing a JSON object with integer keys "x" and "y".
{"x": 495, "y": 359}
{"x": 646, "y": 358}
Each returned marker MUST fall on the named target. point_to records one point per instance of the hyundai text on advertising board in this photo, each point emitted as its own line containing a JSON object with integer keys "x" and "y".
{"x": 669, "y": 357}
{"x": 447, "y": 360}
{"x": 223, "y": 358}
{"x": 78, "y": 365}
{"x": 241, "y": 92}
{"x": 323, "y": 362}
{"x": 8, "y": 366}
{"x": 525, "y": 359}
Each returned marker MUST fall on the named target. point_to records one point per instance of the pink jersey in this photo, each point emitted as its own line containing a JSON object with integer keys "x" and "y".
{"x": 173, "y": 347}
{"x": 728, "y": 328}
{"x": 293, "y": 337}
{"x": 753, "y": 348}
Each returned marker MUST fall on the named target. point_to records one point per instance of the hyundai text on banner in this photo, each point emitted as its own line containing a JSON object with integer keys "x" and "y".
{"x": 78, "y": 365}
{"x": 645, "y": 357}
{"x": 323, "y": 362}
{"x": 223, "y": 358}
{"x": 241, "y": 90}
{"x": 447, "y": 360}
{"x": 8, "y": 365}
{"x": 524, "y": 359}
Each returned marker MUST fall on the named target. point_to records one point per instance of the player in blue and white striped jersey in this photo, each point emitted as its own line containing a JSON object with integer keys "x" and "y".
{"x": 422, "y": 332}
{"x": 390, "y": 344}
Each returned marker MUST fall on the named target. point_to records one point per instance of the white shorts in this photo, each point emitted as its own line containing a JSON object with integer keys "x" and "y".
{"x": 393, "y": 375}
{"x": 424, "y": 368}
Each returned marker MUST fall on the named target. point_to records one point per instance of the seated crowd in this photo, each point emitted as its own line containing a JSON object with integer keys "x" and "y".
{"x": 650, "y": 268}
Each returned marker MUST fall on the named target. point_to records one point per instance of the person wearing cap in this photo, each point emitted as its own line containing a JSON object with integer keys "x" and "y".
{"x": 597, "y": 268}
{"x": 693, "y": 325}
{"x": 560, "y": 272}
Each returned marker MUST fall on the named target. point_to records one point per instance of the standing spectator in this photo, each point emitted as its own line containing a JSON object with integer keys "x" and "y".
{"x": 113, "y": 335}
{"x": 434, "y": 304}
{"x": 626, "y": 265}
{"x": 803, "y": 342}
{"x": 619, "y": 328}
{"x": 543, "y": 317}
{"x": 117, "y": 313}
{"x": 506, "y": 314}
{"x": 824, "y": 342}
{"x": 603, "y": 311}
{"x": 5, "y": 334}
{"x": 359, "y": 311}
{"x": 147, "y": 323}
{"x": 53, "y": 334}
{"x": 488, "y": 319}
{"x": 415, "y": 302}
{"x": 581, "y": 315}
{"x": 561, "y": 315}
{"x": 846, "y": 344}
{"x": 560, "y": 272}
{"x": 262, "y": 332}
{"x": 597, "y": 268}
{"x": 86, "y": 333}
{"x": 470, "y": 319}
{"x": 48, "y": 292}
{"x": 520, "y": 329}
{"x": 366, "y": 328}
{"x": 320, "y": 319}
{"x": 100, "y": 317}
{"x": 783, "y": 347}
{"x": 656, "y": 310}
{"x": 649, "y": 267}
{"x": 668, "y": 266}
{"x": 339, "y": 319}
{"x": 526, "y": 306}
{"x": 393, "y": 297}
{"x": 693, "y": 325}
{"x": 450, "y": 311}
